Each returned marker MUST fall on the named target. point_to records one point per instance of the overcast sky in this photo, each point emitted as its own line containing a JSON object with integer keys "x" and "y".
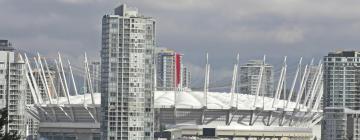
{"x": 223, "y": 28}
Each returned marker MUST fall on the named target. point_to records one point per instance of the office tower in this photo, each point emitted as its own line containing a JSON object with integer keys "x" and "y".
{"x": 12, "y": 87}
{"x": 127, "y": 75}
{"x": 249, "y": 76}
{"x": 169, "y": 69}
{"x": 186, "y": 77}
{"x": 95, "y": 73}
{"x": 341, "y": 100}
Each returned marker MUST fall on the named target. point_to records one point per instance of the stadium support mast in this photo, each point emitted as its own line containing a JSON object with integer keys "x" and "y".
{"x": 281, "y": 82}
{"x": 36, "y": 87}
{"x": 262, "y": 69}
{"x": 302, "y": 86}
{"x": 206, "y": 83}
{"x": 87, "y": 71}
{"x": 318, "y": 99}
{"x": 51, "y": 79}
{"x": 233, "y": 83}
{"x": 315, "y": 86}
{"x": 47, "y": 89}
{"x": 33, "y": 87}
{"x": 64, "y": 78}
{"x": 313, "y": 80}
{"x": 61, "y": 81}
{"x": 294, "y": 82}
{"x": 72, "y": 78}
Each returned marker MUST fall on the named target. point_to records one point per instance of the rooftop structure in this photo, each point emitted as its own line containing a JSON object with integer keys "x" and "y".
{"x": 5, "y": 45}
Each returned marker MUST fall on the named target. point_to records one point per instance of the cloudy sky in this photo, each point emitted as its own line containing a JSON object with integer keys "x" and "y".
{"x": 223, "y": 28}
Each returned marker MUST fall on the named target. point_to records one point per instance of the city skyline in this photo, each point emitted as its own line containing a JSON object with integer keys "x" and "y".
{"x": 191, "y": 27}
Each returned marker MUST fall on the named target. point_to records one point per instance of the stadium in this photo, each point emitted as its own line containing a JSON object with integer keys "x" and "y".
{"x": 181, "y": 114}
{"x": 186, "y": 114}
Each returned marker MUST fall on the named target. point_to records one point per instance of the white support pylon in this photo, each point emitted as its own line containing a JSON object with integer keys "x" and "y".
{"x": 302, "y": 86}
{"x": 312, "y": 83}
{"x": 47, "y": 89}
{"x": 87, "y": 71}
{"x": 318, "y": 99}
{"x": 28, "y": 78}
{"x": 294, "y": 82}
{"x": 64, "y": 78}
{"x": 284, "y": 85}
{"x": 233, "y": 83}
{"x": 206, "y": 83}
{"x": 72, "y": 78}
{"x": 36, "y": 87}
{"x": 280, "y": 83}
{"x": 316, "y": 86}
{"x": 262, "y": 69}
{"x": 61, "y": 81}
{"x": 51, "y": 78}
{"x": 41, "y": 79}
{"x": 85, "y": 82}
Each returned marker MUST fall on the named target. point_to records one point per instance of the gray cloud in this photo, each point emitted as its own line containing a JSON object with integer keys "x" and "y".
{"x": 223, "y": 28}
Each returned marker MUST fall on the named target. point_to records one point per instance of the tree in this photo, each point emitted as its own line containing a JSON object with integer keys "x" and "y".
{"x": 12, "y": 135}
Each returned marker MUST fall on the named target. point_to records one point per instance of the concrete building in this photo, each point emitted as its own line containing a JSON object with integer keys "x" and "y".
{"x": 13, "y": 87}
{"x": 249, "y": 76}
{"x": 127, "y": 74}
{"x": 95, "y": 74}
{"x": 341, "y": 96}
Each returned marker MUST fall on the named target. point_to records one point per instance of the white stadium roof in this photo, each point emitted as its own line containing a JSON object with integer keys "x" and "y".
{"x": 194, "y": 99}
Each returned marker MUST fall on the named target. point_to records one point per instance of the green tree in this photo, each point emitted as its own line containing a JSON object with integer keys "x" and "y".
{"x": 12, "y": 135}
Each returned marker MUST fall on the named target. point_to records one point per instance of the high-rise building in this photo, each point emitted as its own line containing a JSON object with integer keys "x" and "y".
{"x": 249, "y": 76}
{"x": 341, "y": 100}
{"x": 169, "y": 67}
{"x": 127, "y": 75}
{"x": 95, "y": 73}
{"x": 13, "y": 87}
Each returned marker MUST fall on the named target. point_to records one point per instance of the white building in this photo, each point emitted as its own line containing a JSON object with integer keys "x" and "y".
{"x": 250, "y": 75}
{"x": 13, "y": 87}
{"x": 127, "y": 73}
